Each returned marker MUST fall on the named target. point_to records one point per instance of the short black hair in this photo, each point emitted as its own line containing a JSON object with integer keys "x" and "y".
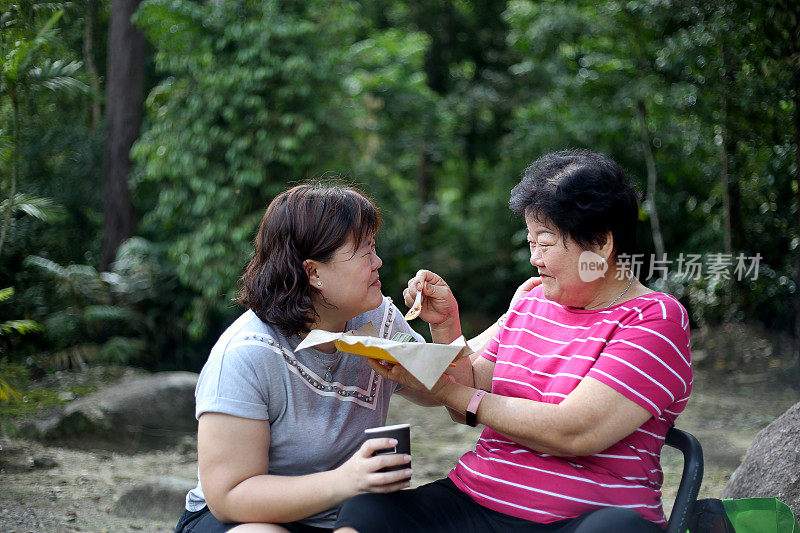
{"x": 584, "y": 194}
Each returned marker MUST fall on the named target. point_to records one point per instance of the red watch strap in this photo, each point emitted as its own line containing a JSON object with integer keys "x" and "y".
{"x": 472, "y": 407}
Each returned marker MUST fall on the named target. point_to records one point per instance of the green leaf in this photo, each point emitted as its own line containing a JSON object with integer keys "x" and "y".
{"x": 7, "y": 392}
{"x": 58, "y": 75}
{"x": 20, "y": 327}
{"x": 16, "y": 62}
{"x": 6, "y": 293}
{"x": 44, "y": 209}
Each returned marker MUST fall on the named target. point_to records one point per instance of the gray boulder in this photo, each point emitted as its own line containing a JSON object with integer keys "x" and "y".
{"x": 156, "y": 499}
{"x": 137, "y": 411}
{"x": 771, "y": 466}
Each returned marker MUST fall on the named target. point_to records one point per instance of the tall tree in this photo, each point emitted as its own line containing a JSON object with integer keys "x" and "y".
{"x": 124, "y": 99}
{"x": 88, "y": 57}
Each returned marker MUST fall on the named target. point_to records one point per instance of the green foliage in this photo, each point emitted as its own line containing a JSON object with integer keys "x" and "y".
{"x": 38, "y": 76}
{"x": 437, "y": 113}
{"x": 689, "y": 67}
{"x": 9, "y": 328}
{"x": 19, "y": 52}
{"x": 9, "y": 376}
{"x": 44, "y": 209}
{"x": 58, "y": 75}
{"x": 71, "y": 325}
{"x": 447, "y": 124}
{"x": 18, "y": 327}
{"x": 114, "y": 317}
{"x": 252, "y": 99}
{"x": 54, "y": 389}
{"x": 433, "y": 108}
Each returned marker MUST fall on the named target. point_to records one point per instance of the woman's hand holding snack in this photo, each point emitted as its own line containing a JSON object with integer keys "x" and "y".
{"x": 439, "y": 306}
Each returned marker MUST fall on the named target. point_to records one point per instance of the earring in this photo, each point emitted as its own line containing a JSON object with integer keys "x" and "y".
{"x": 319, "y": 284}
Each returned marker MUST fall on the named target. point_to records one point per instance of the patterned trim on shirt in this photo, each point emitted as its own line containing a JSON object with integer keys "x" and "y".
{"x": 335, "y": 389}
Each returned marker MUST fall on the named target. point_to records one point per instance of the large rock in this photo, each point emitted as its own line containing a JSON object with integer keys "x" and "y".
{"x": 156, "y": 499}
{"x": 136, "y": 411}
{"x": 771, "y": 466}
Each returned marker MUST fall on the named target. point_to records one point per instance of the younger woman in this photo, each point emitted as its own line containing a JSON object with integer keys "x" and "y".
{"x": 280, "y": 431}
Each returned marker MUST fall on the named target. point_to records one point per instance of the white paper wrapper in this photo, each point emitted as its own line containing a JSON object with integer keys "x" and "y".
{"x": 425, "y": 361}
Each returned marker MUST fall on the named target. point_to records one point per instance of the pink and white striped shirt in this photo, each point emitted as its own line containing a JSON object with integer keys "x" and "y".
{"x": 640, "y": 348}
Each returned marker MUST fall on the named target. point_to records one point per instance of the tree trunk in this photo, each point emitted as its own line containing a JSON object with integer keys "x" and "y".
{"x": 424, "y": 193}
{"x": 436, "y": 19}
{"x": 124, "y": 98}
{"x": 726, "y": 192}
{"x": 723, "y": 155}
{"x": 91, "y": 66}
{"x": 652, "y": 178}
{"x": 471, "y": 141}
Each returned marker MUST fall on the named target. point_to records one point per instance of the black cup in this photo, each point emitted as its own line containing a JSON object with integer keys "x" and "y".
{"x": 401, "y": 433}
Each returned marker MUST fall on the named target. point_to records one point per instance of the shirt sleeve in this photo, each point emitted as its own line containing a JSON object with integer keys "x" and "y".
{"x": 648, "y": 362}
{"x": 490, "y": 352}
{"x": 229, "y": 383}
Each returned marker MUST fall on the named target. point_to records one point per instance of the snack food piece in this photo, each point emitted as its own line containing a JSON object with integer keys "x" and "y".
{"x": 416, "y": 308}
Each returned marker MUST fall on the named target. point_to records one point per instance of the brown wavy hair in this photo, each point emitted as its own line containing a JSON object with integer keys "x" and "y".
{"x": 309, "y": 221}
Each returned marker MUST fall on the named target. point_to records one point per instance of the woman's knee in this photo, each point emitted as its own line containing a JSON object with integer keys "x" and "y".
{"x": 258, "y": 528}
{"x": 365, "y": 511}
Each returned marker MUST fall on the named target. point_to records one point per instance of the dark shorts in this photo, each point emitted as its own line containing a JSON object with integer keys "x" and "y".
{"x": 203, "y": 521}
{"x": 441, "y": 507}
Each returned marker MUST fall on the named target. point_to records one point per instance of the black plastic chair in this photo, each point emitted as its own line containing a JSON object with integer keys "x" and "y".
{"x": 691, "y": 479}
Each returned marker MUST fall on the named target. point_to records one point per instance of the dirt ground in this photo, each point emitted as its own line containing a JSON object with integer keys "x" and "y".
{"x": 81, "y": 491}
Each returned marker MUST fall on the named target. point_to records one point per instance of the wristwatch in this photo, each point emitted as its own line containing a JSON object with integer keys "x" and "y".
{"x": 472, "y": 407}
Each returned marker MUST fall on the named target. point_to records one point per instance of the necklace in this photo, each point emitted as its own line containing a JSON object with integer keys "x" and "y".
{"x": 630, "y": 282}
{"x": 328, "y": 370}
{"x": 334, "y": 362}
{"x": 328, "y": 374}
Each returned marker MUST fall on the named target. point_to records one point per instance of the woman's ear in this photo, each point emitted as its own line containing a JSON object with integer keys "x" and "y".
{"x": 310, "y": 267}
{"x": 607, "y": 248}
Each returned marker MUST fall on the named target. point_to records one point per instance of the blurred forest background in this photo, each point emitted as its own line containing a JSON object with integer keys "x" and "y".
{"x": 140, "y": 142}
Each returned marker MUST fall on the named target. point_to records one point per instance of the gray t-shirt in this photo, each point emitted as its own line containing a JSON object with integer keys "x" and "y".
{"x": 254, "y": 372}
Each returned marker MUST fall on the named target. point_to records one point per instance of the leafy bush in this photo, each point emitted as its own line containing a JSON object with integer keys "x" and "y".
{"x": 251, "y": 100}
{"x": 8, "y": 330}
{"x": 131, "y": 315}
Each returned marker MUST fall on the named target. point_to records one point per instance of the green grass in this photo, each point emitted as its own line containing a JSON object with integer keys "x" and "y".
{"x": 33, "y": 399}
{"x": 30, "y": 396}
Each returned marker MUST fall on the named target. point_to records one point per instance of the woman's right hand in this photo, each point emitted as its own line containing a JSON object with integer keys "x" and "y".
{"x": 438, "y": 303}
{"x": 360, "y": 472}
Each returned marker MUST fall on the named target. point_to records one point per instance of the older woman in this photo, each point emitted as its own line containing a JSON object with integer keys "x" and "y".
{"x": 280, "y": 431}
{"x": 577, "y": 390}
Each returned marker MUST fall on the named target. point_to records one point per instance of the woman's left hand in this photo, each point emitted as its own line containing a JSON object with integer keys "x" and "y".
{"x": 398, "y": 374}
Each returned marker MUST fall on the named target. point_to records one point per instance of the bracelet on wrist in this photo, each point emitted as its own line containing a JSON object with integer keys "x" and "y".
{"x": 471, "y": 414}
